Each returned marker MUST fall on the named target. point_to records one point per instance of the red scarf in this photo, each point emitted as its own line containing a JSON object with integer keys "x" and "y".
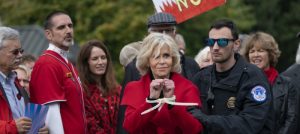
{"x": 272, "y": 74}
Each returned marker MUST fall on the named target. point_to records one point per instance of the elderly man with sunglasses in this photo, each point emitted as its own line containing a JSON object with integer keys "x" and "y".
{"x": 236, "y": 95}
{"x": 12, "y": 96}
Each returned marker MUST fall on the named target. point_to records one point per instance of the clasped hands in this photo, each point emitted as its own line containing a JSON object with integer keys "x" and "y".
{"x": 157, "y": 86}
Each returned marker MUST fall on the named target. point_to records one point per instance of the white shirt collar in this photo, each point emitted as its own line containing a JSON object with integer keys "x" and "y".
{"x": 61, "y": 52}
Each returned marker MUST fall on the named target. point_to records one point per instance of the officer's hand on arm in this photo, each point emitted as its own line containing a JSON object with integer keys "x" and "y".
{"x": 23, "y": 124}
{"x": 43, "y": 130}
{"x": 198, "y": 114}
{"x": 155, "y": 88}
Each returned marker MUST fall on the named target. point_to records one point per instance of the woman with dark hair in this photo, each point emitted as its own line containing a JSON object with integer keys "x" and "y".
{"x": 101, "y": 90}
{"x": 262, "y": 50}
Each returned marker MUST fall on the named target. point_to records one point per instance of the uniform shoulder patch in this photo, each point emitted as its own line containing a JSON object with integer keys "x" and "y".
{"x": 259, "y": 93}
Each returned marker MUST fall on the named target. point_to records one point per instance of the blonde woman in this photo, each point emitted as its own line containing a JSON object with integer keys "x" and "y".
{"x": 158, "y": 62}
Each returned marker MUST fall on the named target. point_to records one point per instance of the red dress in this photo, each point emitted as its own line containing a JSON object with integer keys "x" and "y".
{"x": 101, "y": 111}
{"x": 172, "y": 121}
{"x": 54, "y": 80}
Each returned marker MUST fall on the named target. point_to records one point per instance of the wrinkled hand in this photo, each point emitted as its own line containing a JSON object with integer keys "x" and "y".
{"x": 168, "y": 89}
{"x": 23, "y": 124}
{"x": 198, "y": 114}
{"x": 156, "y": 87}
{"x": 43, "y": 130}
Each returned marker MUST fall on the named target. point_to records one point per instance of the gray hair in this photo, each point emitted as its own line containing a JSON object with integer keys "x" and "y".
{"x": 7, "y": 33}
{"x": 202, "y": 54}
{"x": 179, "y": 39}
{"x": 129, "y": 52}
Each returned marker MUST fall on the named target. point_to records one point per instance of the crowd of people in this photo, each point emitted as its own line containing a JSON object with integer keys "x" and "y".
{"x": 230, "y": 87}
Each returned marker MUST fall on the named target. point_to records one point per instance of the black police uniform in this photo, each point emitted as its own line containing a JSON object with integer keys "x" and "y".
{"x": 240, "y": 103}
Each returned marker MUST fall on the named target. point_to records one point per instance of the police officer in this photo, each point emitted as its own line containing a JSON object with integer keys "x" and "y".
{"x": 235, "y": 94}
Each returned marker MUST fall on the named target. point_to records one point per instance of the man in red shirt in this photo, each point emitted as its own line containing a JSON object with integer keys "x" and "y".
{"x": 54, "y": 80}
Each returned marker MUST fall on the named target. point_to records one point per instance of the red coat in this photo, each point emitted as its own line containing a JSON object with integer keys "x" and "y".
{"x": 7, "y": 123}
{"x": 54, "y": 80}
{"x": 174, "y": 121}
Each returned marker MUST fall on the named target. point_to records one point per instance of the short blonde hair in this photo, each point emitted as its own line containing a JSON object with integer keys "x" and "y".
{"x": 25, "y": 69}
{"x": 264, "y": 41}
{"x": 155, "y": 41}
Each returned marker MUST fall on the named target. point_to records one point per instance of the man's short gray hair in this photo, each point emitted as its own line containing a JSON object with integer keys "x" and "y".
{"x": 7, "y": 33}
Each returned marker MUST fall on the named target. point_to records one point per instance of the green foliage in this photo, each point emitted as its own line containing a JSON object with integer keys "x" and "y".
{"x": 280, "y": 19}
{"x": 119, "y": 22}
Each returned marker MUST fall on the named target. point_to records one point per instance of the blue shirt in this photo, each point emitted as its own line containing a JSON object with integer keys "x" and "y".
{"x": 17, "y": 106}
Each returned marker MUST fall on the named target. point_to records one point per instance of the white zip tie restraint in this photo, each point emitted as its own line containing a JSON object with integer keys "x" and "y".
{"x": 160, "y": 102}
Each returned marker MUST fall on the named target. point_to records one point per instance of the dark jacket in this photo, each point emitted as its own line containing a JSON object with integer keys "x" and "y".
{"x": 293, "y": 72}
{"x": 232, "y": 104}
{"x": 189, "y": 66}
{"x": 189, "y": 69}
{"x": 285, "y": 100}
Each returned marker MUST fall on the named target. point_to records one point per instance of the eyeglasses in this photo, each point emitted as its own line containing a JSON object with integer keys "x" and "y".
{"x": 17, "y": 51}
{"x": 222, "y": 42}
{"x": 163, "y": 30}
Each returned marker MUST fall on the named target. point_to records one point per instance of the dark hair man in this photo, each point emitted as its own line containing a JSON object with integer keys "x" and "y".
{"x": 236, "y": 95}
{"x": 54, "y": 80}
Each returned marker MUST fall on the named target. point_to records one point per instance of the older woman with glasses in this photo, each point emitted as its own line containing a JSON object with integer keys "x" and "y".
{"x": 262, "y": 50}
{"x": 158, "y": 63}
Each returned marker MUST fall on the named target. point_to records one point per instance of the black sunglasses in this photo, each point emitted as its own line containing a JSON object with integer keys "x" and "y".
{"x": 222, "y": 42}
{"x": 17, "y": 51}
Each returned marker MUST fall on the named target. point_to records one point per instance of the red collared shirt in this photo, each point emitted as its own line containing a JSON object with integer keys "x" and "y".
{"x": 53, "y": 80}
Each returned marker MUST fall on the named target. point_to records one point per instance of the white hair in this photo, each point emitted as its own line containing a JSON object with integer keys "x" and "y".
{"x": 7, "y": 33}
{"x": 202, "y": 54}
{"x": 129, "y": 52}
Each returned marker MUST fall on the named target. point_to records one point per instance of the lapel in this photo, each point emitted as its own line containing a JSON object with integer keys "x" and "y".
{"x": 279, "y": 88}
{"x": 21, "y": 92}
{"x": 2, "y": 93}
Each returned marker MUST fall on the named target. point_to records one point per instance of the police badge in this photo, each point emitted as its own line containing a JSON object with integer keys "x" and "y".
{"x": 231, "y": 102}
{"x": 259, "y": 93}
